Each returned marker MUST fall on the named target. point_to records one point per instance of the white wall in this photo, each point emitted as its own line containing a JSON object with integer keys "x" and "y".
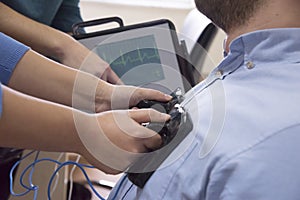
{"x": 132, "y": 14}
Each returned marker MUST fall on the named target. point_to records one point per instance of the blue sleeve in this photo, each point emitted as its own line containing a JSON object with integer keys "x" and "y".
{"x": 11, "y": 51}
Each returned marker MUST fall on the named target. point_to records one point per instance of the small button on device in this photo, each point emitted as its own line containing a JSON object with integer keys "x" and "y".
{"x": 250, "y": 65}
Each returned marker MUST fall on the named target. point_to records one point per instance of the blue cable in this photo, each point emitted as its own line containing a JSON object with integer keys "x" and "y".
{"x": 119, "y": 187}
{"x": 32, "y": 169}
{"x": 80, "y": 166}
{"x": 34, "y": 188}
{"x": 12, "y": 179}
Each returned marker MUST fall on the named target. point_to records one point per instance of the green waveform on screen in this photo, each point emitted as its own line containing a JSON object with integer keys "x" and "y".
{"x": 134, "y": 57}
{"x": 136, "y": 61}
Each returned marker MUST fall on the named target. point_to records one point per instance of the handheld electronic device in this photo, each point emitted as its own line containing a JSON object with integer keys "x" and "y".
{"x": 172, "y": 133}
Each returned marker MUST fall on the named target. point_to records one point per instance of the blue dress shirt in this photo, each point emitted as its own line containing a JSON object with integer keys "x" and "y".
{"x": 245, "y": 142}
{"x": 11, "y": 52}
{"x": 59, "y": 14}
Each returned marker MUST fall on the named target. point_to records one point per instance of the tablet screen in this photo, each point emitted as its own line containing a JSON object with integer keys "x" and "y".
{"x": 141, "y": 55}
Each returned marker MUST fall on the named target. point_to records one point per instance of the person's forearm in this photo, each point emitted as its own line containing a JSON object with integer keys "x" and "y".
{"x": 54, "y": 44}
{"x": 109, "y": 140}
{"x": 31, "y": 123}
{"x": 40, "y": 37}
{"x": 43, "y": 78}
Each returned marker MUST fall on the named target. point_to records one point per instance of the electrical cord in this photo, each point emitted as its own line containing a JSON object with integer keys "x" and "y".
{"x": 119, "y": 187}
{"x": 59, "y": 166}
{"x": 71, "y": 177}
{"x": 28, "y": 189}
{"x": 81, "y": 167}
{"x": 57, "y": 175}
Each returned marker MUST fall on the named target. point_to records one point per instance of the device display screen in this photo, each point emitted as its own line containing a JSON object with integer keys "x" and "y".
{"x": 136, "y": 61}
{"x": 141, "y": 55}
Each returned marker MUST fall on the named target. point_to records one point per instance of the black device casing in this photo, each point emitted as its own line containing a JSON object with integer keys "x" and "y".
{"x": 172, "y": 133}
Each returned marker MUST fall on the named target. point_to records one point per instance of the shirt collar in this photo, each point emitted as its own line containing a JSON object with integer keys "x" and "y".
{"x": 270, "y": 45}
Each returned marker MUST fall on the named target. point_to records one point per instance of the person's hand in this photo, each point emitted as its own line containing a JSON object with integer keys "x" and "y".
{"x": 93, "y": 64}
{"x": 116, "y": 138}
{"x": 92, "y": 94}
{"x": 114, "y": 97}
{"x": 79, "y": 57}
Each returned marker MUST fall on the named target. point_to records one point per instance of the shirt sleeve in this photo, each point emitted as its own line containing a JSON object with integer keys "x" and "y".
{"x": 11, "y": 51}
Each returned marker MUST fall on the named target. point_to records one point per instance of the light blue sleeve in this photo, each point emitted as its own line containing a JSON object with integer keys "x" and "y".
{"x": 11, "y": 51}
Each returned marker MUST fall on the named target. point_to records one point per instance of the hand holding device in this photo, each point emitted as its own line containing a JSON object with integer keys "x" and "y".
{"x": 172, "y": 133}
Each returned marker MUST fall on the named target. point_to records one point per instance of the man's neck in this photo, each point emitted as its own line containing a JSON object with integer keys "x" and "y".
{"x": 277, "y": 14}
